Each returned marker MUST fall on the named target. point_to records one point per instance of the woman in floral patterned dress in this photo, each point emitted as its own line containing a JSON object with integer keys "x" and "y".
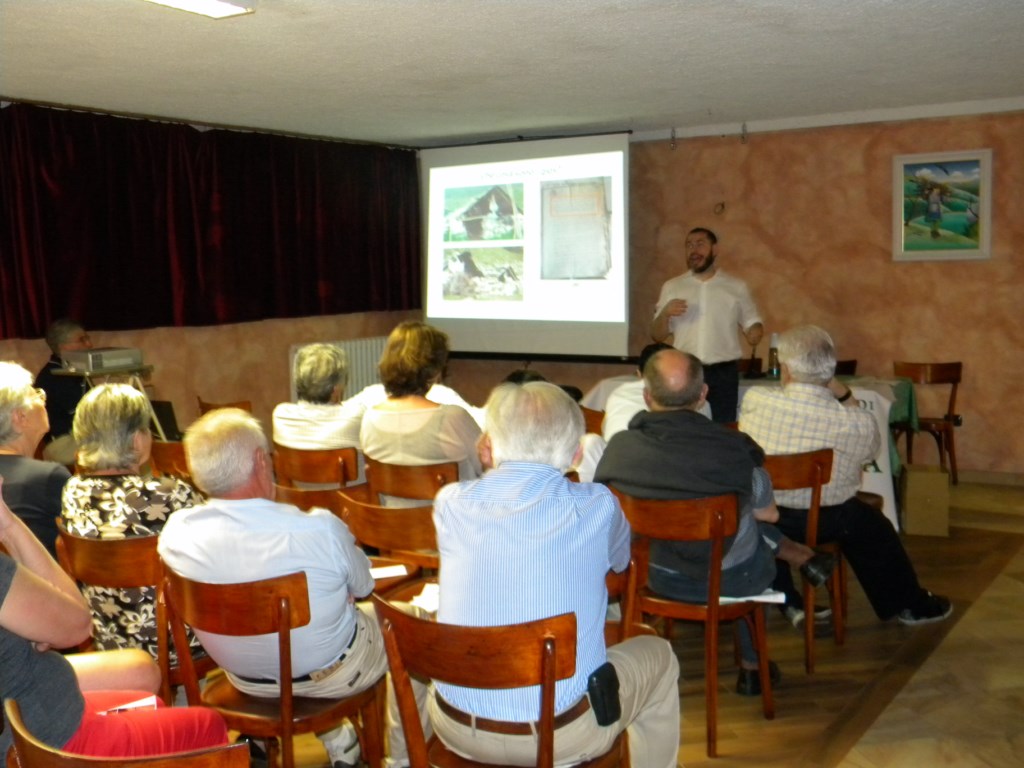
{"x": 112, "y": 500}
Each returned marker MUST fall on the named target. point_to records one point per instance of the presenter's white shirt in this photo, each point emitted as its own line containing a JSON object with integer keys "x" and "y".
{"x": 716, "y": 309}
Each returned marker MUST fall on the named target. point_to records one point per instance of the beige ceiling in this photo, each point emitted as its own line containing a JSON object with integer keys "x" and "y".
{"x": 430, "y": 72}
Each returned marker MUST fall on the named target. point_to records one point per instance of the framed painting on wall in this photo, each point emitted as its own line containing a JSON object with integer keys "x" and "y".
{"x": 942, "y": 206}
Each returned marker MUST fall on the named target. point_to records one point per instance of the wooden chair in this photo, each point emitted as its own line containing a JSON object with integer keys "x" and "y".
{"x": 535, "y": 653}
{"x": 123, "y": 564}
{"x": 28, "y": 752}
{"x": 334, "y": 466}
{"x": 710, "y": 519}
{"x": 747, "y": 365}
{"x": 206, "y": 407}
{"x": 271, "y": 606}
{"x": 940, "y": 427}
{"x": 592, "y": 419}
{"x": 168, "y": 458}
{"x": 846, "y": 367}
{"x": 403, "y": 536}
{"x": 422, "y": 482}
{"x": 813, "y": 470}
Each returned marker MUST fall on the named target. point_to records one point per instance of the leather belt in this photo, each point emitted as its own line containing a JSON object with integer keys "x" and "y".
{"x": 510, "y": 728}
{"x": 316, "y": 674}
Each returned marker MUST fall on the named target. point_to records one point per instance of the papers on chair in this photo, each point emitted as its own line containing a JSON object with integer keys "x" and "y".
{"x": 389, "y": 571}
{"x": 430, "y": 598}
{"x": 149, "y": 702}
{"x": 768, "y": 596}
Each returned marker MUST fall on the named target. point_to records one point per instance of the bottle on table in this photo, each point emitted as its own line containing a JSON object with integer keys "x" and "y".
{"x": 773, "y": 357}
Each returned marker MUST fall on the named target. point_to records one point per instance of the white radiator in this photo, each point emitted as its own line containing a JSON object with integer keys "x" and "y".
{"x": 363, "y": 356}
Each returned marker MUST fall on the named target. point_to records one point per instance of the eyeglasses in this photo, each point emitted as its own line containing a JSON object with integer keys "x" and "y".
{"x": 40, "y": 393}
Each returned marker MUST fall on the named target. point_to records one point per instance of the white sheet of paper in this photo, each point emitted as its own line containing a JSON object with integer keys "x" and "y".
{"x": 429, "y": 599}
{"x": 768, "y": 596}
{"x": 389, "y": 571}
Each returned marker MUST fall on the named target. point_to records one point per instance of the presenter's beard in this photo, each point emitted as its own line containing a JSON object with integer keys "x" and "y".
{"x": 703, "y": 266}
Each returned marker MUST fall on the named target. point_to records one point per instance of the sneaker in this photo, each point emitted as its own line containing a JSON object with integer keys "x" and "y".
{"x": 342, "y": 747}
{"x": 795, "y": 616}
{"x": 931, "y": 609}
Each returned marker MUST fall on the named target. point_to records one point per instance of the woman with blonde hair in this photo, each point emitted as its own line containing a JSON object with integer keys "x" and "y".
{"x": 407, "y": 428}
{"x": 111, "y": 499}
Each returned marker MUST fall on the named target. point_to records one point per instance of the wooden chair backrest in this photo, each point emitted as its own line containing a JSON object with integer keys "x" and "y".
{"x": 846, "y": 367}
{"x": 933, "y": 373}
{"x": 406, "y": 533}
{"x": 796, "y": 471}
{"x": 535, "y": 653}
{"x": 335, "y": 465}
{"x": 206, "y": 407}
{"x": 749, "y": 365}
{"x": 29, "y": 752}
{"x": 709, "y": 519}
{"x": 120, "y": 563}
{"x": 407, "y": 482}
{"x": 269, "y": 606}
{"x": 592, "y": 419}
{"x": 168, "y": 458}
{"x": 307, "y": 498}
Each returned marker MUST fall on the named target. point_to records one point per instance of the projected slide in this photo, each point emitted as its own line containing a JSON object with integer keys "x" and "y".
{"x": 531, "y": 239}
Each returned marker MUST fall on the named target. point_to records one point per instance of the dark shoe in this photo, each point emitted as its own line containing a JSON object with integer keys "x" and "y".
{"x": 749, "y": 684}
{"x": 931, "y": 609}
{"x": 257, "y": 754}
{"x": 818, "y": 569}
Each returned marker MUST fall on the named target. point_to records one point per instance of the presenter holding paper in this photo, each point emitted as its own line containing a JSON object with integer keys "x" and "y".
{"x": 701, "y": 310}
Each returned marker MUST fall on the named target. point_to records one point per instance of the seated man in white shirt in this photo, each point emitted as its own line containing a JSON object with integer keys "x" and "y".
{"x": 319, "y": 420}
{"x": 240, "y": 535}
{"x": 627, "y": 401}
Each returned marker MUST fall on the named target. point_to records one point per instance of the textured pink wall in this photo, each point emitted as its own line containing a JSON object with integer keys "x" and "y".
{"x": 806, "y": 221}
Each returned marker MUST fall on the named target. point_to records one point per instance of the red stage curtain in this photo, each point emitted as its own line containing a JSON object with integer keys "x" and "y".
{"x": 128, "y": 224}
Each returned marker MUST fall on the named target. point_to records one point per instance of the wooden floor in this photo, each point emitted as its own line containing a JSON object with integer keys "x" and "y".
{"x": 947, "y": 694}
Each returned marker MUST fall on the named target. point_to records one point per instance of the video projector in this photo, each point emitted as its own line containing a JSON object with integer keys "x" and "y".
{"x": 102, "y": 359}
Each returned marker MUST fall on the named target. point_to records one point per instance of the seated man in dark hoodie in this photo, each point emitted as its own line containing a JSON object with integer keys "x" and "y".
{"x": 673, "y": 452}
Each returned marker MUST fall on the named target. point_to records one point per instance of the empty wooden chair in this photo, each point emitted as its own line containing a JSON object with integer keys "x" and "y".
{"x": 206, "y": 406}
{"x": 266, "y": 607}
{"x": 403, "y": 536}
{"x": 330, "y": 466}
{"x": 536, "y": 653}
{"x": 28, "y": 752}
{"x": 126, "y": 563}
{"x": 592, "y": 419}
{"x": 710, "y": 519}
{"x": 846, "y": 367}
{"x": 407, "y": 482}
{"x": 168, "y": 458}
{"x": 940, "y": 427}
{"x": 813, "y": 470}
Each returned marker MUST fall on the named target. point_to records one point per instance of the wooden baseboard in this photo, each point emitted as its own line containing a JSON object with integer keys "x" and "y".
{"x": 991, "y": 478}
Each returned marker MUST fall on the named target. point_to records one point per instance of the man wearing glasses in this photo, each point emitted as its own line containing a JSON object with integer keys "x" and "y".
{"x": 701, "y": 310}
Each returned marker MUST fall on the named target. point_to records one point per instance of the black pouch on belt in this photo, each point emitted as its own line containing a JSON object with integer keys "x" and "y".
{"x": 603, "y": 689}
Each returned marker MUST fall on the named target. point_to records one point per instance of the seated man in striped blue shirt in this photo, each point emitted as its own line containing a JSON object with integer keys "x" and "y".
{"x": 524, "y": 543}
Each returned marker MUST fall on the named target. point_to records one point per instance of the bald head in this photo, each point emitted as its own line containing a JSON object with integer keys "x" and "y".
{"x": 674, "y": 381}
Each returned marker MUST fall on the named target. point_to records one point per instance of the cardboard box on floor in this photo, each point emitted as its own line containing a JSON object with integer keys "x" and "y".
{"x": 924, "y": 497}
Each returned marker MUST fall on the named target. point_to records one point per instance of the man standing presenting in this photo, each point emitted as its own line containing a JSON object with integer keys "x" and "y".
{"x": 523, "y": 543}
{"x": 811, "y": 411}
{"x": 240, "y": 535}
{"x": 702, "y": 309}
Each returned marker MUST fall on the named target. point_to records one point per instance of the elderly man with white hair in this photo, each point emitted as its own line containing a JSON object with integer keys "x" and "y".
{"x": 813, "y": 410}
{"x": 523, "y": 543}
{"x": 240, "y": 534}
{"x": 32, "y": 488}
